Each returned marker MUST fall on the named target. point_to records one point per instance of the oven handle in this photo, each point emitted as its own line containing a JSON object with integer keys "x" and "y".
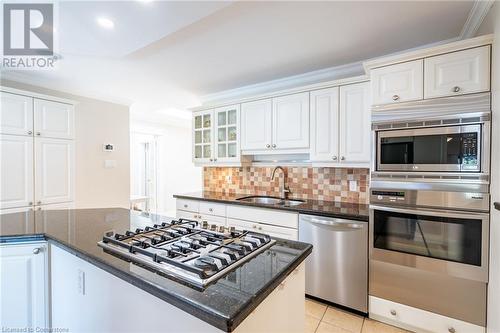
{"x": 433, "y": 212}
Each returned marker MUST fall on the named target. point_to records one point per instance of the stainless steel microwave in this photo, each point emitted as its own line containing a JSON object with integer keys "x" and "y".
{"x": 456, "y": 148}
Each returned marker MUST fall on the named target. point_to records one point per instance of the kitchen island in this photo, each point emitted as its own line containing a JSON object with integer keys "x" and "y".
{"x": 91, "y": 290}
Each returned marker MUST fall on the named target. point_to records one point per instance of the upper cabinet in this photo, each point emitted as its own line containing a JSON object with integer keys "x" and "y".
{"x": 398, "y": 83}
{"x": 340, "y": 125}
{"x": 457, "y": 73}
{"x": 54, "y": 119}
{"x": 16, "y": 114}
{"x": 276, "y": 125}
{"x": 217, "y": 135}
{"x": 256, "y": 125}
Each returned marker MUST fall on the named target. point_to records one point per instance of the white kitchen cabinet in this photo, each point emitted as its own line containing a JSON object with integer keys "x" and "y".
{"x": 417, "y": 320}
{"x": 325, "y": 125}
{"x": 355, "y": 122}
{"x": 271, "y": 230}
{"x": 16, "y": 170}
{"x": 203, "y": 136}
{"x": 16, "y": 114}
{"x": 24, "y": 286}
{"x": 54, "y": 119}
{"x": 398, "y": 83}
{"x": 54, "y": 170}
{"x": 457, "y": 73}
{"x": 291, "y": 121}
{"x": 227, "y": 134}
{"x": 256, "y": 125}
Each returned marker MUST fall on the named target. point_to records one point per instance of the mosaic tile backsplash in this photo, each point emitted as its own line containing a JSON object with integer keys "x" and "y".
{"x": 331, "y": 184}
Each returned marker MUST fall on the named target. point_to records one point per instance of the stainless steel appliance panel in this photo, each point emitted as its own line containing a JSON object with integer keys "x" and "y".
{"x": 337, "y": 269}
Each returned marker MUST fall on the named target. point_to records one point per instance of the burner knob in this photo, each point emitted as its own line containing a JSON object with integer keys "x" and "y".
{"x": 204, "y": 224}
{"x": 138, "y": 230}
{"x": 221, "y": 229}
{"x": 213, "y": 227}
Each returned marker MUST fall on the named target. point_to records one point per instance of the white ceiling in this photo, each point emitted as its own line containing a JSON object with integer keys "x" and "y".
{"x": 165, "y": 55}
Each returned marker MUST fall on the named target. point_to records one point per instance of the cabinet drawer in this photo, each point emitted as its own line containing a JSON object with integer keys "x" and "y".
{"x": 267, "y": 216}
{"x": 211, "y": 208}
{"x": 458, "y": 73}
{"x": 188, "y": 205}
{"x": 271, "y": 230}
{"x": 398, "y": 83}
{"x": 417, "y": 320}
{"x": 181, "y": 214}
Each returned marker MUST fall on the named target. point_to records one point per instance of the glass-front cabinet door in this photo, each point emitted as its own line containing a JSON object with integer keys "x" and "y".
{"x": 227, "y": 134}
{"x": 203, "y": 136}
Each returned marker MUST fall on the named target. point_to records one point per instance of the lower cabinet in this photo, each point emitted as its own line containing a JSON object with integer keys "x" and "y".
{"x": 24, "y": 286}
{"x": 417, "y": 320}
{"x": 271, "y": 230}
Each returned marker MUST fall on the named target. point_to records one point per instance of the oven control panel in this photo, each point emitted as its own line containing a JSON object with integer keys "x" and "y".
{"x": 383, "y": 196}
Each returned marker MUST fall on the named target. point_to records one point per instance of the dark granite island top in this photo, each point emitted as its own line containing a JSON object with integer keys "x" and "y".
{"x": 314, "y": 207}
{"x": 224, "y": 304}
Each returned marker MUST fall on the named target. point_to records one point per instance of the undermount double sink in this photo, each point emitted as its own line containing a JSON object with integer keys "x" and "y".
{"x": 267, "y": 200}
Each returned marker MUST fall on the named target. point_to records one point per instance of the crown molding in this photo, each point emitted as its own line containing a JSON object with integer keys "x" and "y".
{"x": 326, "y": 74}
{"x": 476, "y": 16}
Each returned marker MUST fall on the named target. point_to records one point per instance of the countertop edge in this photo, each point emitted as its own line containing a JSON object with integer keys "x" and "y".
{"x": 295, "y": 209}
{"x": 223, "y": 323}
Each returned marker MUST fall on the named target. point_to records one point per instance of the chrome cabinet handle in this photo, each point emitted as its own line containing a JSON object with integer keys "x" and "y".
{"x": 36, "y": 250}
{"x": 268, "y": 146}
{"x": 274, "y": 145}
{"x": 456, "y": 89}
{"x": 38, "y": 133}
{"x": 395, "y": 97}
{"x": 334, "y": 158}
{"x": 30, "y": 132}
{"x": 210, "y": 210}
{"x": 451, "y": 330}
{"x": 342, "y": 158}
{"x": 393, "y": 312}
{"x": 496, "y": 205}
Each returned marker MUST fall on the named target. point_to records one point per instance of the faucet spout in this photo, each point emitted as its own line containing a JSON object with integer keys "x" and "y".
{"x": 284, "y": 189}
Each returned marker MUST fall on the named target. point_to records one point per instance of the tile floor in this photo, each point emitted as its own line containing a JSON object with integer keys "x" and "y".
{"x": 322, "y": 318}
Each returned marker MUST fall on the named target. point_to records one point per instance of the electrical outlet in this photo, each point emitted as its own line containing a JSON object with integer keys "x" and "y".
{"x": 229, "y": 178}
{"x": 81, "y": 282}
{"x": 353, "y": 185}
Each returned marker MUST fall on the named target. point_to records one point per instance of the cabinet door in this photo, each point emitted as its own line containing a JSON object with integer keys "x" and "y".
{"x": 16, "y": 114}
{"x": 291, "y": 121}
{"x": 203, "y": 137}
{"x": 397, "y": 83}
{"x": 256, "y": 125}
{"x": 458, "y": 73}
{"x": 54, "y": 171}
{"x": 227, "y": 134}
{"x": 355, "y": 123}
{"x": 23, "y": 286}
{"x": 325, "y": 125}
{"x": 16, "y": 170}
{"x": 54, "y": 119}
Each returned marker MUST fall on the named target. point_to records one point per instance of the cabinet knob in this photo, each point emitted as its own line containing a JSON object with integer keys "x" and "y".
{"x": 254, "y": 226}
{"x": 185, "y": 206}
{"x": 274, "y": 145}
{"x": 342, "y": 158}
{"x": 30, "y": 132}
{"x": 39, "y": 208}
{"x": 36, "y": 250}
{"x": 30, "y": 203}
{"x": 260, "y": 228}
{"x": 456, "y": 89}
{"x": 210, "y": 210}
{"x": 211, "y": 160}
{"x": 452, "y": 330}
{"x": 38, "y": 202}
{"x": 395, "y": 97}
{"x": 215, "y": 160}
{"x": 38, "y": 133}
{"x": 393, "y": 312}
{"x": 334, "y": 158}
{"x": 268, "y": 146}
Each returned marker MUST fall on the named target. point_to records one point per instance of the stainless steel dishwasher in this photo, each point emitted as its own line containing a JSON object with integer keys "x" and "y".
{"x": 337, "y": 269}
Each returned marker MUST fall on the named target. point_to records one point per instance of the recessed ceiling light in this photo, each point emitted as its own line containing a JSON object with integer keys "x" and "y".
{"x": 105, "y": 22}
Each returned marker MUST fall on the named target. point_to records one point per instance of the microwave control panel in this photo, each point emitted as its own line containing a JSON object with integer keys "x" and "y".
{"x": 469, "y": 150}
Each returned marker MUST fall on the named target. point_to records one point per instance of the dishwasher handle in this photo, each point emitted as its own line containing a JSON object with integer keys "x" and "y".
{"x": 333, "y": 223}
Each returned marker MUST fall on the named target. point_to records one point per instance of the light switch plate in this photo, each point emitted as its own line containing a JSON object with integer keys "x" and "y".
{"x": 353, "y": 185}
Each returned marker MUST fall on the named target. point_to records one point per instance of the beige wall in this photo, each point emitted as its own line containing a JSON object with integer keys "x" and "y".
{"x": 491, "y": 24}
{"x": 97, "y": 122}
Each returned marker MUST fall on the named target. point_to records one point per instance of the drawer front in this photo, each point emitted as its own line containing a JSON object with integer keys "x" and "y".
{"x": 267, "y": 216}
{"x": 458, "y": 73}
{"x": 398, "y": 83}
{"x": 188, "y": 205}
{"x": 417, "y": 320}
{"x": 180, "y": 214}
{"x": 210, "y": 219}
{"x": 211, "y": 208}
{"x": 273, "y": 231}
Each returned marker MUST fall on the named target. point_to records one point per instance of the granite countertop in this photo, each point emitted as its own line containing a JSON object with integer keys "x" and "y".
{"x": 223, "y": 304}
{"x": 314, "y": 207}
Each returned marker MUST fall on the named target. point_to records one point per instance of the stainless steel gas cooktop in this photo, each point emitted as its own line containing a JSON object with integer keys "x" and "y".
{"x": 187, "y": 251}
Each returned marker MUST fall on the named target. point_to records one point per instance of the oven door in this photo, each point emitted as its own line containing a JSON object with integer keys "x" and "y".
{"x": 434, "y": 149}
{"x": 452, "y": 243}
